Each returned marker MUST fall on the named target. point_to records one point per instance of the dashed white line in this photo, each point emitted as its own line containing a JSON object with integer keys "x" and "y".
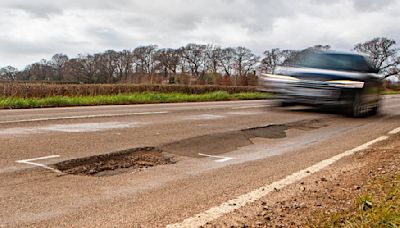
{"x": 231, "y": 205}
{"x": 221, "y": 159}
{"x": 30, "y": 162}
{"x": 81, "y": 117}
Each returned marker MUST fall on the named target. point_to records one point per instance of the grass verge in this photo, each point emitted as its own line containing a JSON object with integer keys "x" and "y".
{"x": 123, "y": 99}
{"x": 391, "y": 92}
{"x": 379, "y": 207}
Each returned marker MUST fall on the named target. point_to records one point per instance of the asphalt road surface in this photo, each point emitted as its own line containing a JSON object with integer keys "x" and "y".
{"x": 187, "y": 159}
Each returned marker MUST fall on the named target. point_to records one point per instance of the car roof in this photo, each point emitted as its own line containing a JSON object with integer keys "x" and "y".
{"x": 340, "y": 52}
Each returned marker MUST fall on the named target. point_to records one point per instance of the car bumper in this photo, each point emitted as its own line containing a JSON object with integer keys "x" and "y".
{"x": 314, "y": 94}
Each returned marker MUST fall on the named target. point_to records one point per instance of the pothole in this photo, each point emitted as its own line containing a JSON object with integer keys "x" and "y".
{"x": 115, "y": 163}
{"x": 307, "y": 125}
{"x": 270, "y": 131}
{"x": 220, "y": 143}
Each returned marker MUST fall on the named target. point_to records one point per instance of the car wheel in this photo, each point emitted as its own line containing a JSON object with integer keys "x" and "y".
{"x": 359, "y": 108}
{"x": 375, "y": 109}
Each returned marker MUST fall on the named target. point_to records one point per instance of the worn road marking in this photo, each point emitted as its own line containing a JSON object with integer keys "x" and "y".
{"x": 394, "y": 131}
{"x": 246, "y": 112}
{"x": 81, "y": 117}
{"x": 231, "y": 205}
{"x": 69, "y": 128}
{"x": 254, "y": 106}
{"x": 221, "y": 159}
{"x": 89, "y": 127}
{"x": 204, "y": 117}
{"x": 29, "y": 162}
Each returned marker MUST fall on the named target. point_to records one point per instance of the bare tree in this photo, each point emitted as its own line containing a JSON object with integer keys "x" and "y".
{"x": 213, "y": 58}
{"x": 8, "y": 73}
{"x": 41, "y": 71}
{"x": 195, "y": 56}
{"x": 273, "y": 58}
{"x": 227, "y": 60}
{"x": 107, "y": 64}
{"x": 58, "y": 62}
{"x": 124, "y": 64}
{"x": 383, "y": 55}
{"x": 87, "y": 68}
{"x": 145, "y": 57}
{"x": 168, "y": 60}
{"x": 244, "y": 62}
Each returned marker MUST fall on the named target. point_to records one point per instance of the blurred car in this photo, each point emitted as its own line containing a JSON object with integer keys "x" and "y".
{"x": 346, "y": 81}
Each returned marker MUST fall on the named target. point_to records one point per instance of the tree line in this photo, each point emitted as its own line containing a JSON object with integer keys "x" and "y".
{"x": 190, "y": 64}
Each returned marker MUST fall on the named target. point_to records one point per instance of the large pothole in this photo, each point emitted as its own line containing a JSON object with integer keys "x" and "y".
{"x": 140, "y": 158}
{"x": 115, "y": 163}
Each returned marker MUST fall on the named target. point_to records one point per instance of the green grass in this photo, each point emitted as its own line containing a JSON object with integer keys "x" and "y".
{"x": 122, "y": 99}
{"x": 380, "y": 207}
{"x": 391, "y": 92}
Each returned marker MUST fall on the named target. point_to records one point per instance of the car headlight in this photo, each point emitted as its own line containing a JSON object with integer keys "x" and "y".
{"x": 279, "y": 78}
{"x": 346, "y": 84}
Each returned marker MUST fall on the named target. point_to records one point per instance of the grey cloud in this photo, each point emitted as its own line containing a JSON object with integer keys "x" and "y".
{"x": 21, "y": 47}
{"x": 81, "y": 26}
{"x": 47, "y": 8}
{"x": 372, "y": 5}
{"x": 110, "y": 38}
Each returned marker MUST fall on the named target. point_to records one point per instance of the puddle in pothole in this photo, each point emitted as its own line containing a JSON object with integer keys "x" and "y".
{"x": 115, "y": 163}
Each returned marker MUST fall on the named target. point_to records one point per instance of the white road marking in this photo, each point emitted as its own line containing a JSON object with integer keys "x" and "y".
{"x": 204, "y": 117}
{"x": 243, "y": 113}
{"x": 82, "y": 117}
{"x": 70, "y": 128}
{"x": 231, "y": 205}
{"x": 221, "y": 159}
{"x": 394, "y": 131}
{"x": 254, "y": 106}
{"x": 88, "y": 127}
{"x": 29, "y": 162}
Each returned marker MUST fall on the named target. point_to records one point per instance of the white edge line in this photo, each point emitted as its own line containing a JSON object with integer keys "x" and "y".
{"x": 394, "y": 131}
{"x": 231, "y": 205}
{"x": 29, "y": 162}
{"x": 82, "y": 117}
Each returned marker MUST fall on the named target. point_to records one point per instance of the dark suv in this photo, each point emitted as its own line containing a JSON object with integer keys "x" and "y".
{"x": 327, "y": 79}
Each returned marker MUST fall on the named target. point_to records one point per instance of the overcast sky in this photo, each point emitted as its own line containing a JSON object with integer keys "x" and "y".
{"x": 33, "y": 30}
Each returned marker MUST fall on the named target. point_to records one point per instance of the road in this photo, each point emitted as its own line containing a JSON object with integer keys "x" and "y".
{"x": 220, "y": 151}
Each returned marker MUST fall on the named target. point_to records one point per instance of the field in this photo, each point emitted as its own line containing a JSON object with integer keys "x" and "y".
{"x": 41, "y": 95}
{"x": 41, "y": 90}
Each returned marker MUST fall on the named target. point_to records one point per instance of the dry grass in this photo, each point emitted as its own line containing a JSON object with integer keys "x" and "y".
{"x": 379, "y": 207}
{"x": 42, "y": 90}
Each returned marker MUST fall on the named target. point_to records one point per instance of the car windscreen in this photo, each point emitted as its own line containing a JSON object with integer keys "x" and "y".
{"x": 340, "y": 62}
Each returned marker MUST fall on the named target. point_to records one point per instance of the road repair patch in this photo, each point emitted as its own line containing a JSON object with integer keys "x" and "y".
{"x": 115, "y": 163}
